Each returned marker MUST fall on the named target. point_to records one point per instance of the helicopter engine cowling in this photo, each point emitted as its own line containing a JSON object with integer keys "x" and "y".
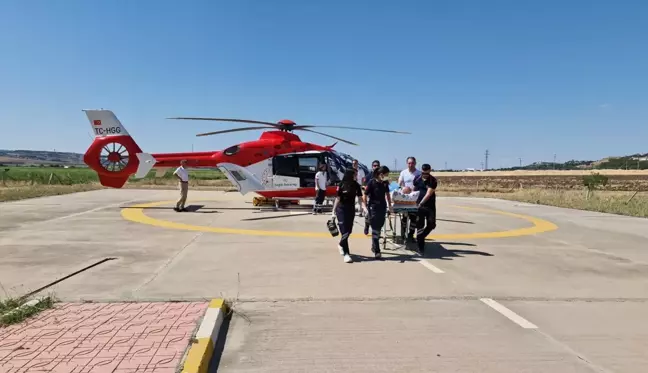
{"x": 113, "y": 158}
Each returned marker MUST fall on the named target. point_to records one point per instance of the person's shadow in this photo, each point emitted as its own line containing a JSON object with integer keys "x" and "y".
{"x": 433, "y": 250}
{"x": 436, "y": 250}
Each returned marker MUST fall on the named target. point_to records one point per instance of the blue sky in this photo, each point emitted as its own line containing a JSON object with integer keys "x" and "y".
{"x": 514, "y": 77}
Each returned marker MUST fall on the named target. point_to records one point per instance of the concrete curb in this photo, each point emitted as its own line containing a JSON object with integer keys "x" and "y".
{"x": 202, "y": 348}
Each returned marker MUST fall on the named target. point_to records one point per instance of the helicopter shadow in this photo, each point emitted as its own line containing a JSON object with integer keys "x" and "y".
{"x": 456, "y": 221}
{"x": 278, "y": 216}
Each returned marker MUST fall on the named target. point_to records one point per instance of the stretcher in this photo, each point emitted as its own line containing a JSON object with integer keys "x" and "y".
{"x": 393, "y": 228}
{"x": 402, "y": 206}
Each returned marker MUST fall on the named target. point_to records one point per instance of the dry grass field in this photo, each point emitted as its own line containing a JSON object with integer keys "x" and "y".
{"x": 17, "y": 191}
{"x": 500, "y": 181}
{"x": 613, "y": 202}
{"x": 544, "y": 173}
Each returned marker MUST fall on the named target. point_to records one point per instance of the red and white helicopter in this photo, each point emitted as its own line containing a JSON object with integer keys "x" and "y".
{"x": 279, "y": 165}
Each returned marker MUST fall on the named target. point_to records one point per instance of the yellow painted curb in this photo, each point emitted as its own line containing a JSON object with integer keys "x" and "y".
{"x": 198, "y": 357}
{"x": 202, "y": 348}
{"x": 136, "y": 214}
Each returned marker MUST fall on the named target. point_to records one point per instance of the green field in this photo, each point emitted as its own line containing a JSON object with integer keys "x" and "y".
{"x": 82, "y": 175}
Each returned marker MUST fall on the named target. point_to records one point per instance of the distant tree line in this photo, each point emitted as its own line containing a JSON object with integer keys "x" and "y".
{"x": 621, "y": 163}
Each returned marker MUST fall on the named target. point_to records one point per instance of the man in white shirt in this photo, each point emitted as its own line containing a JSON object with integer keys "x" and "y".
{"x": 320, "y": 188}
{"x": 183, "y": 179}
{"x": 406, "y": 181}
{"x": 407, "y": 176}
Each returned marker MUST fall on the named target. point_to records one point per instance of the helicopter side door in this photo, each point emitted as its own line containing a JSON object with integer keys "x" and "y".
{"x": 308, "y": 166}
{"x": 295, "y": 170}
{"x": 285, "y": 172}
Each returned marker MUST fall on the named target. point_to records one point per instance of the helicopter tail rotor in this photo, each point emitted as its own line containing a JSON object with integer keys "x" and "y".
{"x": 114, "y": 154}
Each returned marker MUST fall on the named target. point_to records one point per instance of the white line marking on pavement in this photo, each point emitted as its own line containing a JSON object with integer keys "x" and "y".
{"x": 91, "y": 211}
{"x": 430, "y": 266}
{"x": 508, "y": 313}
{"x": 118, "y": 204}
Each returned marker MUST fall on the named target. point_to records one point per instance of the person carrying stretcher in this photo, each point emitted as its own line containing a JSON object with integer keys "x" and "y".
{"x": 375, "y": 165}
{"x": 426, "y": 185}
{"x": 377, "y": 199}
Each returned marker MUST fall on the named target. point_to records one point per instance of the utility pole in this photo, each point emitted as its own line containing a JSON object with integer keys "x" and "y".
{"x": 395, "y": 165}
{"x": 486, "y": 161}
{"x": 520, "y": 161}
{"x": 446, "y": 165}
{"x": 554, "y": 162}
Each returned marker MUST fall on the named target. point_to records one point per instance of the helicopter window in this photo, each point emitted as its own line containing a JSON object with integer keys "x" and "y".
{"x": 285, "y": 165}
{"x": 308, "y": 164}
{"x": 231, "y": 150}
{"x": 237, "y": 175}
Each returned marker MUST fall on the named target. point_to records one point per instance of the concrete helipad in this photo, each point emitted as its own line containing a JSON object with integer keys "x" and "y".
{"x": 504, "y": 286}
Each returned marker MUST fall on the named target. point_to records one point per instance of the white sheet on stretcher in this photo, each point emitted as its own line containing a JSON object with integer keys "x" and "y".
{"x": 401, "y": 200}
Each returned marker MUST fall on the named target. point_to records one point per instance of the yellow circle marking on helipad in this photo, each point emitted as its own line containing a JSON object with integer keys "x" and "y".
{"x": 136, "y": 213}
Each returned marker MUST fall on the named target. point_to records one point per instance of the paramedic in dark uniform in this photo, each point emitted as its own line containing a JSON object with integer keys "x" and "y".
{"x": 426, "y": 185}
{"x": 374, "y": 166}
{"x": 360, "y": 180}
{"x": 344, "y": 208}
{"x": 377, "y": 200}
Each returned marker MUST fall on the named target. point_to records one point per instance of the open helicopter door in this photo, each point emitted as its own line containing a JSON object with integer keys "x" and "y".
{"x": 244, "y": 180}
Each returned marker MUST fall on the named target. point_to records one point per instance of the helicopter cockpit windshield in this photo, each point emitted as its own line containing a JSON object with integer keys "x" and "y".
{"x": 339, "y": 162}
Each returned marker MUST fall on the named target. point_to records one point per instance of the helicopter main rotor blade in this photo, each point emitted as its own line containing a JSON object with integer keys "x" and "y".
{"x": 230, "y": 120}
{"x": 232, "y": 130}
{"x": 323, "y": 134}
{"x": 352, "y": 128}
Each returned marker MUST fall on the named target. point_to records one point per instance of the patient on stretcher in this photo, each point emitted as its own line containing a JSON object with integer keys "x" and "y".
{"x": 404, "y": 197}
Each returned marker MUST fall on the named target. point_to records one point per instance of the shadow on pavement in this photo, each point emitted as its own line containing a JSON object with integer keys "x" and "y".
{"x": 433, "y": 250}
{"x": 220, "y": 343}
{"x": 456, "y": 221}
{"x": 386, "y": 257}
{"x": 436, "y": 250}
{"x": 278, "y": 216}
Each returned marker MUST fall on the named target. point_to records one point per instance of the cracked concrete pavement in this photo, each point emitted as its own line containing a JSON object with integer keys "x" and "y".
{"x": 584, "y": 286}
